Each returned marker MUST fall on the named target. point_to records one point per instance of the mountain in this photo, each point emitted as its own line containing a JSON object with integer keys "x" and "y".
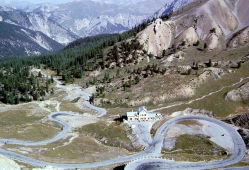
{"x": 37, "y": 22}
{"x": 91, "y": 17}
{"x": 170, "y": 6}
{"x": 67, "y": 22}
{"x": 165, "y": 59}
{"x": 16, "y": 40}
{"x": 195, "y": 23}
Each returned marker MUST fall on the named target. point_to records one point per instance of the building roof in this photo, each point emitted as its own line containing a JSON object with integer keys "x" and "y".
{"x": 131, "y": 114}
{"x": 151, "y": 115}
{"x": 142, "y": 108}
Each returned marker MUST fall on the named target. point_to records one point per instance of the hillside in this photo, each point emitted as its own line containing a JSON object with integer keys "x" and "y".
{"x": 89, "y": 40}
{"x": 185, "y": 72}
{"x": 177, "y": 47}
{"x": 66, "y": 22}
{"x": 175, "y": 40}
{"x": 189, "y": 48}
{"x": 16, "y": 40}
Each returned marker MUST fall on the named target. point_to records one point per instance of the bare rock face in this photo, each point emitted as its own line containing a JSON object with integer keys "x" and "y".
{"x": 240, "y": 38}
{"x": 189, "y": 37}
{"x": 212, "y": 42}
{"x": 239, "y": 120}
{"x": 157, "y": 37}
{"x": 191, "y": 111}
{"x": 212, "y": 21}
{"x": 239, "y": 95}
{"x": 242, "y": 122}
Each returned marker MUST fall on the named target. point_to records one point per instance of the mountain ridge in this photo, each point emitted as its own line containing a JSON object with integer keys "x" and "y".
{"x": 19, "y": 41}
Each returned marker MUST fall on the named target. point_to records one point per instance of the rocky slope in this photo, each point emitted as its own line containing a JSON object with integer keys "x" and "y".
{"x": 67, "y": 22}
{"x": 171, "y": 6}
{"x": 37, "y": 22}
{"x": 90, "y": 17}
{"x": 170, "y": 58}
{"x": 16, "y": 40}
{"x": 241, "y": 122}
{"x": 240, "y": 38}
{"x": 195, "y": 23}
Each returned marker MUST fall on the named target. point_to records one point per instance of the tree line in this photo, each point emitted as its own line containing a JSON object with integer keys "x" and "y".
{"x": 18, "y": 84}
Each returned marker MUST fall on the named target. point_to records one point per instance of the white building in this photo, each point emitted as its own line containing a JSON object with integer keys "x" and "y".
{"x": 143, "y": 115}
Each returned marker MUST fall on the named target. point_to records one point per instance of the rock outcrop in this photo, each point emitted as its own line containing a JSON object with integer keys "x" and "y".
{"x": 212, "y": 42}
{"x": 239, "y": 95}
{"x": 157, "y": 37}
{"x": 239, "y": 120}
{"x": 240, "y": 38}
{"x": 187, "y": 37}
{"x": 196, "y": 25}
{"x": 190, "y": 111}
{"x": 242, "y": 122}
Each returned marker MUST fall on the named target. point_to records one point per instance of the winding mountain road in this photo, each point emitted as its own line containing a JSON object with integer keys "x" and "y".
{"x": 237, "y": 154}
{"x": 142, "y": 160}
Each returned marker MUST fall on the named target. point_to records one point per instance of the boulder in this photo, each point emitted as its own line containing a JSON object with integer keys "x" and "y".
{"x": 244, "y": 59}
{"x": 207, "y": 63}
{"x": 239, "y": 95}
{"x": 234, "y": 64}
{"x": 184, "y": 70}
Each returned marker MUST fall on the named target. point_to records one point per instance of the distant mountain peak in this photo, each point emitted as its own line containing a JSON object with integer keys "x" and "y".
{"x": 170, "y": 6}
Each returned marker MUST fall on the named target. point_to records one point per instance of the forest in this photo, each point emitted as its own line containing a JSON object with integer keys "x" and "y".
{"x": 19, "y": 84}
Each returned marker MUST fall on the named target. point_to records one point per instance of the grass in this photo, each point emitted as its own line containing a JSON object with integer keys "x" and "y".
{"x": 196, "y": 144}
{"x": 240, "y": 164}
{"x": 16, "y": 117}
{"x": 35, "y": 132}
{"x": 216, "y": 102}
{"x": 112, "y": 135}
{"x": 82, "y": 149}
{"x": 190, "y": 123}
{"x": 169, "y": 86}
{"x": 70, "y": 107}
{"x": 23, "y": 122}
{"x": 194, "y": 148}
